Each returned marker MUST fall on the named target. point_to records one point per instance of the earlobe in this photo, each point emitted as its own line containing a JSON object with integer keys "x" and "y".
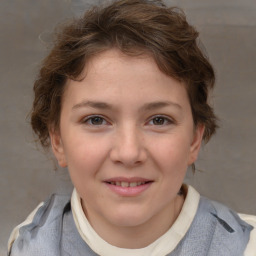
{"x": 196, "y": 143}
{"x": 57, "y": 148}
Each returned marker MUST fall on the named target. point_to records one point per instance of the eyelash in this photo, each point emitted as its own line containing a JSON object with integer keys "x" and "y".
{"x": 90, "y": 118}
{"x": 167, "y": 121}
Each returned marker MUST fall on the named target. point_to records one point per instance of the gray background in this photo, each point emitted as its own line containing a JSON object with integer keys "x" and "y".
{"x": 228, "y": 31}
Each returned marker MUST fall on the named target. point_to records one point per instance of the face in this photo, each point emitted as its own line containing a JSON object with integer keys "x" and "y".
{"x": 127, "y": 137}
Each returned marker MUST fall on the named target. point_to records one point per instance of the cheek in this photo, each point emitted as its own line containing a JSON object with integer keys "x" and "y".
{"x": 85, "y": 155}
{"x": 171, "y": 150}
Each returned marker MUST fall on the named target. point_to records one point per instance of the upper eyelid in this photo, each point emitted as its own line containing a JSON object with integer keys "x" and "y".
{"x": 162, "y": 116}
{"x": 92, "y": 116}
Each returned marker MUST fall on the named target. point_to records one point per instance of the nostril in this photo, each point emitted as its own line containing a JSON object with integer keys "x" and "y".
{"x": 127, "y": 158}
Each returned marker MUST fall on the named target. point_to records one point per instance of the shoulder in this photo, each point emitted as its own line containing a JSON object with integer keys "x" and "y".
{"x": 219, "y": 229}
{"x": 229, "y": 231}
{"x": 222, "y": 212}
{"x": 217, "y": 215}
{"x": 225, "y": 217}
{"x": 41, "y": 225}
{"x": 242, "y": 224}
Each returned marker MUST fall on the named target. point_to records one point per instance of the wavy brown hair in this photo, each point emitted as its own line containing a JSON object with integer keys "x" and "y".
{"x": 134, "y": 27}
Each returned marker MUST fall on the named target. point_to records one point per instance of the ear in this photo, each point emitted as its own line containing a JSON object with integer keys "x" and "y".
{"x": 196, "y": 143}
{"x": 57, "y": 148}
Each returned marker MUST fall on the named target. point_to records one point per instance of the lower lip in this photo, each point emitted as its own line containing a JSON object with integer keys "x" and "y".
{"x": 129, "y": 191}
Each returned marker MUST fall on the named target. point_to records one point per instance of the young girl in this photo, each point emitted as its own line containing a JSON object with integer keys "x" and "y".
{"x": 122, "y": 99}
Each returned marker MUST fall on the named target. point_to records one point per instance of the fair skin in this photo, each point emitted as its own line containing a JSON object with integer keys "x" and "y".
{"x": 127, "y": 136}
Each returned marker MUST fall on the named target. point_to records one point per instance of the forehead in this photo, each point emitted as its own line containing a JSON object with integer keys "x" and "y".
{"x": 112, "y": 75}
{"x": 113, "y": 60}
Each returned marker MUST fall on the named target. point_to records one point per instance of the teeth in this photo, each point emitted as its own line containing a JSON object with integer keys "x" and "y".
{"x": 133, "y": 184}
{"x": 125, "y": 184}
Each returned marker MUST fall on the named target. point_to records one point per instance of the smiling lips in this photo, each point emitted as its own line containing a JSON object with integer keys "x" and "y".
{"x": 128, "y": 187}
{"x": 125, "y": 184}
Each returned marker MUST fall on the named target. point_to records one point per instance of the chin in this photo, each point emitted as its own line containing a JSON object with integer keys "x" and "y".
{"x": 129, "y": 218}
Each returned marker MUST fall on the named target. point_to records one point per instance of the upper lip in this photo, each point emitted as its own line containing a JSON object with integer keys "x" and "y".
{"x": 127, "y": 179}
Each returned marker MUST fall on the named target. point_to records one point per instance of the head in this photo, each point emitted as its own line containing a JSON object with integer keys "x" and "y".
{"x": 135, "y": 27}
{"x": 123, "y": 96}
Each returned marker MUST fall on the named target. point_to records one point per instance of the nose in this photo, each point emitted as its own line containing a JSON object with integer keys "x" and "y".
{"x": 128, "y": 147}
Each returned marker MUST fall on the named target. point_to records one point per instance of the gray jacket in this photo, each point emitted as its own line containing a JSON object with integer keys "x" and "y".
{"x": 215, "y": 231}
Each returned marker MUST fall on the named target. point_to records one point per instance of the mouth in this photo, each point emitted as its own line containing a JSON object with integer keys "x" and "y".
{"x": 128, "y": 187}
{"x": 126, "y": 184}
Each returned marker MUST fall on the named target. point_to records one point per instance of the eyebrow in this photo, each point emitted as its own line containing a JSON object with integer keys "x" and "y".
{"x": 159, "y": 104}
{"x": 92, "y": 104}
{"x": 145, "y": 107}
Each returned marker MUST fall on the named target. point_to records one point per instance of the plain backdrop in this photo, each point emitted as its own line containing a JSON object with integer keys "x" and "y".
{"x": 227, "y": 162}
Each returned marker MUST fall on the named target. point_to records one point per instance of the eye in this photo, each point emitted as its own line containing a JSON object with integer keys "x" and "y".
{"x": 160, "y": 120}
{"x": 94, "y": 120}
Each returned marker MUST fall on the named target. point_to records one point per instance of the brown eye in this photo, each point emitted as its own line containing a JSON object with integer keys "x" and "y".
{"x": 159, "y": 120}
{"x": 95, "y": 120}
